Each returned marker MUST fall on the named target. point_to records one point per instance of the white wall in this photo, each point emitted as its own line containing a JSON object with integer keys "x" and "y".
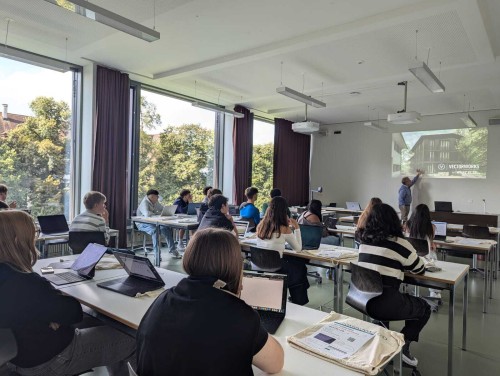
{"x": 356, "y": 165}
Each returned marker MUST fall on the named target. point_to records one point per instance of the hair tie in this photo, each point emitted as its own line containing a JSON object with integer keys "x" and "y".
{"x": 219, "y": 284}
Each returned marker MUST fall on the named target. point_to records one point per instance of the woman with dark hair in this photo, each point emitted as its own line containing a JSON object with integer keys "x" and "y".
{"x": 362, "y": 218}
{"x": 272, "y": 233}
{"x": 420, "y": 226}
{"x": 200, "y": 326}
{"x": 53, "y": 336}
{"x": 384, "y": 250}
{"x": 312, "y": 217}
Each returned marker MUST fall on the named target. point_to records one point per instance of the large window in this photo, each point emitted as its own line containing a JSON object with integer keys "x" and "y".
{"x": 36, "y": 137}
{"x": 262, "y": 160}
{"x": 176, "y": 147}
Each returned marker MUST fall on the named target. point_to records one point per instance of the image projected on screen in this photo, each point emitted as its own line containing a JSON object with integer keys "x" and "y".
{"x": 447, "y": 153}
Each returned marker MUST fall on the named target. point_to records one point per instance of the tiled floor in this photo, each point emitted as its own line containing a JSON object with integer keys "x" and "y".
{"x": 483, "y": 331}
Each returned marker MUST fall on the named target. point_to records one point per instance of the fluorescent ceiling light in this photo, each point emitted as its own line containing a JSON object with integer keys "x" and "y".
{"x": 34, "y": 59}
{"x": 469, "y": 121}
{"x": 300, "y": 97}
{"x": 427, "y": 77}
{"x": 104, "y": 16}
{"x": 213, "y": 107}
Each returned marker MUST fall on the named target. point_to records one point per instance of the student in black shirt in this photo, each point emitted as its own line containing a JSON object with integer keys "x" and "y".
{"x": 204, "y": 205}
{"x": 47, "y": 325}
{"x": 200, "y": 326}
{"x": 218, "y": 215}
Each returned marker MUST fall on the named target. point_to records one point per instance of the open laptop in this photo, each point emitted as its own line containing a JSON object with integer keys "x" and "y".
{"x": 82, "y": 269}
{"x": 142, "y": 276}
{"x": 168, "y": 211}
{"x": 311, "y": 236}
{"x": 53, "y": 224}
{"x": 443, "y": 206}
{"x": 234, "y": 210}
{"x": 353, "y": 206}
{"x": 192, "y": 206}
{"x": 242, "y": 228}
{"x": 440, "y": 230}
{"x": 266, "y": 293}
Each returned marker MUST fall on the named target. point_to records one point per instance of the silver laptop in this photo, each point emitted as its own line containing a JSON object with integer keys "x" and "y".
{"x": 440, "y": 230}
{"x": 266, "y": 293}
{"x": 82, "y": 269}
{"x": 168, "y": 211}
{"x": 353, "y": 205}
{"x": 242, "y": 228}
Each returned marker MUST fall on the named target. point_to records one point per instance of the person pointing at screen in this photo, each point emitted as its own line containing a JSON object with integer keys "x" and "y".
{"x": 404, "y": 195}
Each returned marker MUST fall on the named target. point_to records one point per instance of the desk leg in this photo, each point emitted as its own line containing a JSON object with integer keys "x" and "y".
{"x": 451, "y": 314}
{"x": 464, "y": 313}
{"x": 485, "y": 289}
{"x": 158, "y": 245}
{"x": 341, "y": 290}
{"x": 132, "y": 237}
{"x": 336, "y": 282}
{"x": 491, "y": 256}
{"x": 341, "y": 238}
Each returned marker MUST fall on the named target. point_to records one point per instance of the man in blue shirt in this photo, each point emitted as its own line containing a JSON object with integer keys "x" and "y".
{"x": 404, "y": 196}
{"x": 248, "y": 211}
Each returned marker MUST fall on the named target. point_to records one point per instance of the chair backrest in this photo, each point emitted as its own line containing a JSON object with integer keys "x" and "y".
{"x": 8, "y": 346}
{"x": 131, "y": 371}
{"x": 78, "y": 240}
{"x": 365, "y": 285}
{"x": 420, "y": 245}
{"x": 265, "y": 260}
{"x": 477, "y": 232}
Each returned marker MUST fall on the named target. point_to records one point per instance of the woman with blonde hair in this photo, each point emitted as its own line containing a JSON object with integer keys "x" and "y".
{"x": 201, "y": 326}
{"x": 43, "y": 320}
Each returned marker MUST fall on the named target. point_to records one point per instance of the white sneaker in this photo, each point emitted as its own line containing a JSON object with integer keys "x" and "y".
{"x": 409, "y": 359}
{"x": 175, "y": 254}
{"x": 436, "y": 294}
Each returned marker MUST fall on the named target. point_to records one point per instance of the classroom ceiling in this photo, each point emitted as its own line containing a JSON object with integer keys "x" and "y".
{"x": 239, "y": 51}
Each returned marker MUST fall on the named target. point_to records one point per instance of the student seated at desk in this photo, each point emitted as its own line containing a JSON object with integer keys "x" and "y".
{"x": 272, "y": 233}
{"x": 205, "y": 193}
{"x": 248, "y": 211}
{"x": 182, "y": 203}
{"x": 312, "y": 217}
{"x": 204, "y": 206}
{"x": 3, "y": 198}
{"x": 47, "y": 325}
{"x": 384, "y": 250}
{"x": 217, "y": 215}
{"x": 275, "y": 192}
{"x": 362, "y": 218}
{"x": 95, "y": 218}
{"x": 201, "y": 326}
{"x": 148, "y": 207}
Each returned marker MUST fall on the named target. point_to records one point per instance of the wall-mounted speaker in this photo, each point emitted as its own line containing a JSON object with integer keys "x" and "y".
{"x": 494, "y": 121}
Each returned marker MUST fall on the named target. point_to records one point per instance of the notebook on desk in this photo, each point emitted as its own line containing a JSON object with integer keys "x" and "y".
{"x": 266, "y": 293}
{"x": 82, "y": 269}
{"x": 142, "y": 276}
{"x": 53, "y": 224}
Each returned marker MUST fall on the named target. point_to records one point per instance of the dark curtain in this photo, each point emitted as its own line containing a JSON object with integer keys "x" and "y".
{"x": 291, "y": 162}
{"x": 111, "y": 142}
{"x": 242, "y": 154}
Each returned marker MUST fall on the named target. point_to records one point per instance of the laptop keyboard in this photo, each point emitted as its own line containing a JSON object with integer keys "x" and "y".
{"x": 270, "y": 321}
{"x": 70, "y": 277}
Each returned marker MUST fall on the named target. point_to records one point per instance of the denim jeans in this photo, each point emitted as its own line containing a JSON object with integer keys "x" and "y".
{"x": 91, "y": 347}
{"x": 165, "y": 231}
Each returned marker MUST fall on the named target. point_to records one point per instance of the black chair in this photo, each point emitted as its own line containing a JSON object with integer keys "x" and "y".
{"x": 265, "y": 260}
{"x": 79, "y": 240}
{"x": 8, "y": 346}
{"x": 365, "y": 285}
{"x": 420, "y": 245}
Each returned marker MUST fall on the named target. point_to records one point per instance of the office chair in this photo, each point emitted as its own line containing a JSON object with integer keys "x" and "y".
{"x": 144, "y": 238}
{"x": 477, "y": 232}
{"x": 8, "y": 346}
{"x": 79, "y": 240}
{"x": 265, "y": 260}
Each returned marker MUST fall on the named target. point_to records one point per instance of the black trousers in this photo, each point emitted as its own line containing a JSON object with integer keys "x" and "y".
{"x": 393, "y": 305}
{"x": 296, "y": 271}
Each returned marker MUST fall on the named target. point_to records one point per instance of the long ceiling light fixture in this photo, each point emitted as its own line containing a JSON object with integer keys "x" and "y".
{"x": 427, "y": 77}
{"x": 300, "y": 97}
{"x": 466, "y": 118}
{"x": 106, "y": 17}
{"x": 213, "y": 107}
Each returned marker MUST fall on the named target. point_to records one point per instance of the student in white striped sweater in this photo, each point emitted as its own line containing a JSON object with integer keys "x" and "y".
{"x": 384, "y": 250}
{"x": 95, "y": 218}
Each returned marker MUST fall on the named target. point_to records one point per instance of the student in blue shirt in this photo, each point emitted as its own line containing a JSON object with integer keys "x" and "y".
{"x": 248, "y": 210}
{"x": 404, "y": 195}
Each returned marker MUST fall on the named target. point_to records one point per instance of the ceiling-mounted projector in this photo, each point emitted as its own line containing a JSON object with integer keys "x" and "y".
{"x": 410, "y": 117}
{"x": 306, "y": 127}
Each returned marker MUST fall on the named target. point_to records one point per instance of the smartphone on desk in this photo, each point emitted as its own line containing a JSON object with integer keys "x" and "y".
{"x": 433, "y": 269}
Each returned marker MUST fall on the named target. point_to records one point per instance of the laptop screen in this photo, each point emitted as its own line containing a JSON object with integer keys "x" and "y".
{"x": 440, "y": 228}
{"x": 443, "y": 206}
{"x": 53, "y": 224}
{"x": 353, "y": 205}
{"x": 88, "y": 259}
{"x": 138, "y": 266}
{"x": 241, "y": 227}
{"x": 264, "y": 292}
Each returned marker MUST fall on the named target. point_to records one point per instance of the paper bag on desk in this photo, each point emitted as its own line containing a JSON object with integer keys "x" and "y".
{"x": 350, "y": 343}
